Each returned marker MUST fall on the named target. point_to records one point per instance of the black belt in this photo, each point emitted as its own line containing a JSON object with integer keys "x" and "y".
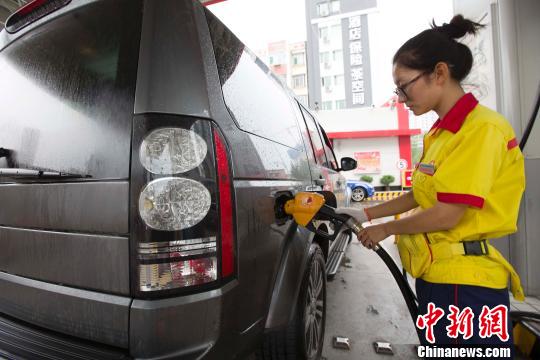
{"x": 476, "y": 247}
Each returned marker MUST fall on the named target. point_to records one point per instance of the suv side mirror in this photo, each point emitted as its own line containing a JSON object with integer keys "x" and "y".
{"x": 348, "y": 163}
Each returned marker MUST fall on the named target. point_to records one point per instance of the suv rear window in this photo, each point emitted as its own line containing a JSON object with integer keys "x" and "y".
{"x": 68, "y": 90}
{"x": 257, "y": 100}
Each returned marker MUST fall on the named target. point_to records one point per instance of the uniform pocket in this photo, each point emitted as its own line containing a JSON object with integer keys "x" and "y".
{"x": 414, "y": 253}
{"x": 423, "y": 189}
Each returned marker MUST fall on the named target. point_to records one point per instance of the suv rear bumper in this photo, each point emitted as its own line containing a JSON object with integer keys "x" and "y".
{"x": 182, "y": 327}
{"x": 90, "y": 315}
{"x": 22, "y": 341}
{"x": 103, "y": 326}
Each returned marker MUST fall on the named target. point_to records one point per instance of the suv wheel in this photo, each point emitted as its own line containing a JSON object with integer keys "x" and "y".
{"x": 359, "y": 194}
{"x": 313, "y": 298}
{"x": 303, "y": 339}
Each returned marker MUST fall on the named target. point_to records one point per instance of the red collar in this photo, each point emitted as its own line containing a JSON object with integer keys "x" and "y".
{"x": 454, "y": 119}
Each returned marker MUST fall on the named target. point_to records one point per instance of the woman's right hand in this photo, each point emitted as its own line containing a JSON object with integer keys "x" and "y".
{"x": 358, "y": 214}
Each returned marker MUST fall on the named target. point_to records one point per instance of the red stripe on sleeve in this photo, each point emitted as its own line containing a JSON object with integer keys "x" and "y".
{"x": 512, "y": 144}
{"x": 466, "y": 199}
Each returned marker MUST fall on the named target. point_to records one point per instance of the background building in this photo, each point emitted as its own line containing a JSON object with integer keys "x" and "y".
{"x": 338, "y": 53}
{"x": 288, "y": 62}
{"x": 298, "y": 81}
{"x": 350, "y": 48}
{"x": 278, "y": 60}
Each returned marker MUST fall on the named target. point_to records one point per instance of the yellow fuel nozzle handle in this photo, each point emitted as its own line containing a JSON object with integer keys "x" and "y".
{"x": 307, "y": 205}
{"x": 304, "y": 207}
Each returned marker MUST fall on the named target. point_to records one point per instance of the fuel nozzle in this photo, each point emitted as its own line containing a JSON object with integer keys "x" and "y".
{"x": 306, "y": 207}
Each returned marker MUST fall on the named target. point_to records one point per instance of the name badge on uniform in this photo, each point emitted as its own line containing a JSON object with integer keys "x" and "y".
{"x": 427, "y": 168}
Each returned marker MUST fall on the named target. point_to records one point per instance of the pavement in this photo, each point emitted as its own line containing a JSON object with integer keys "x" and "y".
{"x": 364, "y": 304}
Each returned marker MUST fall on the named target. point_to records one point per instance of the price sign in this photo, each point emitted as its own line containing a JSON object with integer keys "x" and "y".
{"x": 402, "y": 164}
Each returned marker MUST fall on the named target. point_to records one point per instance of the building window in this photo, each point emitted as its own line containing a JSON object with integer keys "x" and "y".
{"x": 338, "y": 56}
{"x": 326, "y": 81}
{"x": 340, "y": 104}
{"x": 299, "y": 81}
{"x": 277, "y": 59}
{"x": 325, "y": 57}
{"x": 339, "y": 80}
{"x": 298, "y": 59}
{"x": 324, "y": 34}
{"x": 327, "y": 105}
{"x": 334, "y": 6}
{"x": 323, "y": 9}
{"x": 335, "y": 33}
{"x": 303, "y": 99}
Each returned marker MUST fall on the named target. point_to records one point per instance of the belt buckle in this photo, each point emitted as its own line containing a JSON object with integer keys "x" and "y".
{"x": 475, "y": 247}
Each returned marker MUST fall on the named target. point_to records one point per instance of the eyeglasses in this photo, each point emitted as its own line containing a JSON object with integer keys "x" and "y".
{"x": 400, "y": 90}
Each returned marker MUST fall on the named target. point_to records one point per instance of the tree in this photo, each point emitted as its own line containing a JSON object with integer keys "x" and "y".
{"x": 386, "y": 180}
{"x": 366, "y": 178}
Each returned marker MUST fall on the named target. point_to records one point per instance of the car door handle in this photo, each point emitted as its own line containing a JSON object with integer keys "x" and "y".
{"x": 320, "y": 182}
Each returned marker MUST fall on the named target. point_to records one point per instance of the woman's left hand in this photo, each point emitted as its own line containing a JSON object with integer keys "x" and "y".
{"x": 372, "y": 235}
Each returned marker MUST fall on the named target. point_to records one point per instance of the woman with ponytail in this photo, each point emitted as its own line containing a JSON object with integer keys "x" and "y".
{"x": 466, "y": 190}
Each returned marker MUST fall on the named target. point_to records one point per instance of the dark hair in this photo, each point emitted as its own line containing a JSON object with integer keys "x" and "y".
{"x": 437, "y": 44}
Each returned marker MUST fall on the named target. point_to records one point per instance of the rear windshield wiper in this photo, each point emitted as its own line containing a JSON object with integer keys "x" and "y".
{"x": 4, "y": 152}
{"x": 8, "y": 154}
{"x": 39, "y": 174}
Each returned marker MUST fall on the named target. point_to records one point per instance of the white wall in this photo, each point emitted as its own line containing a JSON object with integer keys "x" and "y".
{"x": 527, "y": 13}
{"x": 528, "y": 28}
{"x": 359, "y": 119}
{"x": 388, "y": 147}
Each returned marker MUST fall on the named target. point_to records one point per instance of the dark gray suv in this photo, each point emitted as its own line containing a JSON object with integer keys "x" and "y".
{"x": 143, "y": 149}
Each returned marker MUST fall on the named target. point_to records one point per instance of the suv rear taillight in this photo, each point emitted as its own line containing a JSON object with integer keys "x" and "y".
{"x": 182, "y": 209}
{"x": 31, "y": 12}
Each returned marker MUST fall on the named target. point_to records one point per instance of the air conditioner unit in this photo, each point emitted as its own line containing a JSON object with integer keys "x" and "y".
{"x": 328, "y": 89}
{"x": 327, "y": 65}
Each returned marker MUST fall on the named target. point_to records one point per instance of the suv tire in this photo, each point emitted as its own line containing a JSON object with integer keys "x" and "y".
{"x": 303, "y": 339}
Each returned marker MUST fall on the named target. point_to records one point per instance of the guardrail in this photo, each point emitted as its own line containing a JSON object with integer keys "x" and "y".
{"x": 380, "y": 196}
